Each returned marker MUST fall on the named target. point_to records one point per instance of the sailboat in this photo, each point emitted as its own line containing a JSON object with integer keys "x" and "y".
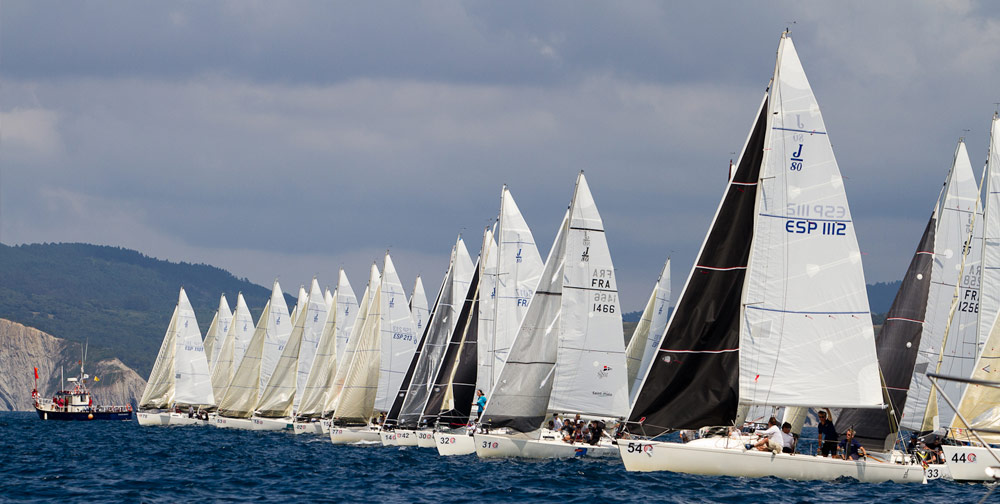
{"x": 381, "y": 354}
{"x": 509, "y": 271}
{"x": 774, "y": 311}
{"x": 646, "y": 338}
{"x": 343, "y": 310}
{"x": 569, "y": 354}
{"x": 217, "y": 331}
{"x": 179, "y": 378}
{"x": 242, "y": 394}
{"x": 967, "y": 459}
{"x": 403, "y": 417}
{"x": 281, "y": 396}
{"x": 232, "y": 347}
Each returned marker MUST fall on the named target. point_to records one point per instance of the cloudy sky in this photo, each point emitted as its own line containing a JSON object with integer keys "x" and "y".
{"x": 289, "y": 139}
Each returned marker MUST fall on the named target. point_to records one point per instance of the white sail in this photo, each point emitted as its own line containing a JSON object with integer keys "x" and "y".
{"x": 646, "y": 337}
{"x": 950, "y": 322}
{"x": 217, "y": 331}
{"x": 989, "y": 304}
{"x": 351, "y": 346}
{"x": 806, "y": 334}
{"x": 347, "y": 312}
{"x": 419, "y": 307}
{"x": 980, "y": 404}
{"x": 159, "y": 391}
{"x": 279, "y": 327}
{"x": 283, "y": 390}
{"x": 519, "y": 267}
{"x": 590, "y": 375}
{"x": 343, "y": 309}
{"x": 357, "y": 381}
{"x": 399, "y": 338}
{"x": 192, "y": 380}
{"x": 487, "y": 289}
{"x": 233, "y": 346}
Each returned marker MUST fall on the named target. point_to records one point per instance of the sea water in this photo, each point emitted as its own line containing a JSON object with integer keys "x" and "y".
{"x": 122, "y": 462}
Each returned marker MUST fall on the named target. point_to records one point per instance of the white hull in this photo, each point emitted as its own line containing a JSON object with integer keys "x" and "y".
{"x": 271, "y": 424}
{"x": 406, "y": 437}
{"x": 232, "y": 423}
{"x": 183, "y": 419}
{"x": 937, "y": 471}
{"x": 425, "y": 438}
{"x": 388, "y": 438}
{"x": 709, "y": 457}
{"x": 324, "y": 424}
{"x": 499, "y": 446}
{"x": 970, "y": 463}
{"x": 348, "y": 435}
{"x": 146, "y": 418}
{"x": 450, "y": 443}
{"x": 308, "y": 428}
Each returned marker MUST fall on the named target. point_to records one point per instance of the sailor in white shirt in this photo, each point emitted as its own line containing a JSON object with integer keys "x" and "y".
{"x": 788, "y": 440}
{"x": 772, "y": 439}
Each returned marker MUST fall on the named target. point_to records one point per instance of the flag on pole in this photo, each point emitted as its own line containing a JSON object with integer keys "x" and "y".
{"x": 36, "y": 373}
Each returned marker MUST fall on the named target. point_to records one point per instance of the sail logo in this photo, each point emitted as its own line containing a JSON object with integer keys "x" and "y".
{"x": 392, "y": 302}
{"x": 518, "y": 256}
{"x": 244, "y": 327}
{"x": 185, "y": 324}
{"x": 586, "y": 255}
{"x": 660, "y": 311}
{"x": 494, "y": 293}
{"x": 797, "y": 160}
{"x": 277, "y": 321}
{"x": 603, "y": 372}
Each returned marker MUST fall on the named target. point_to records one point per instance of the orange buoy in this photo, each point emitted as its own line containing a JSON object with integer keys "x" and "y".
{"x": 90, "y": 416}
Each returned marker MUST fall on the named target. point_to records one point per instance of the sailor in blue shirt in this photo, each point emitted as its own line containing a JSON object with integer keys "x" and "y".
{"x": 851, "y": 447}
{"x": 827, "y": 434}
{"x": 480, "y": 403}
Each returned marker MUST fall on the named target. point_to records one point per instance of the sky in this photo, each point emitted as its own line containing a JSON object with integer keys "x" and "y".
{"x": 289, "y": 139}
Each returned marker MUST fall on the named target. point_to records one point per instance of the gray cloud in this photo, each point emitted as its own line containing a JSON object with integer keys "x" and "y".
{"x": 288, "y": 140}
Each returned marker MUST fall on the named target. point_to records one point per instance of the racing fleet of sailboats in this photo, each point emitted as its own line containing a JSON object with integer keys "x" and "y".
{"x": 772, "y": 317}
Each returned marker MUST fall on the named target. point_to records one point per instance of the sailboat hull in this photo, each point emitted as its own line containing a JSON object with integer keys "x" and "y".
{"x": 406, "y": 437}
{"x": 233, "y": 423}
{"x": 271, "y": 424}
{"x": 348, "y": 435}
{"x": 449, "y": 443}
{"x": 147, "y": 419}
{"x": 308, "y": 428}
{"x": 494, "y": 446}
{"x": 425, "y": 438}
{"x": 324, "y": 425}
{"x": 971, "y": 463}
{"x": 183, "y": 419}
{"x": 704, "y": 456}
{"x": 388, "y": 438}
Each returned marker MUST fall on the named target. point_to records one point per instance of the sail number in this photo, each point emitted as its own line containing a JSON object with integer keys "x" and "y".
{"x": 605, "y": 302}
{"x": 401, "y": 333}
{"x": 970, "y": 301}
{"x": 961, "y": 458}
{"x": 807, "y": 227}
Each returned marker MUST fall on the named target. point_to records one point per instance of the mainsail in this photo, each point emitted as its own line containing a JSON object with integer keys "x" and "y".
{"x": 949, "y": 343}
{"x": 343, "y": 310}
{"x": 192, "y": 381}
{"x": 217, "y": 331}
{"x": 399, "y": 338}
{"x": 569, "y": 355}
{"x": 284, "y": 389}
{"x": 232, "y": 348}
{"x": 645, "y": 339}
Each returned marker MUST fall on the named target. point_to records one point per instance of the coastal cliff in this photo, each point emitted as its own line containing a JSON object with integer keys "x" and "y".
{"x": 23, "y": 348}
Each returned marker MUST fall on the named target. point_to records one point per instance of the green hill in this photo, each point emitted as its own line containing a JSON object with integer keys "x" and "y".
{"x": 118, "y": 299}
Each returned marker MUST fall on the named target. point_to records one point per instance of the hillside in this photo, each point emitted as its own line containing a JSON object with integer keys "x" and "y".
{"x": 23, "y": 348}
{"x": 118, "y": 299}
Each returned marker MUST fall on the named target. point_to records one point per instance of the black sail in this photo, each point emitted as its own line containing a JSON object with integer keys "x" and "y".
{"x": 458, "y": 368}
{"x": 392, "y": 415}
{"x": 694, "y": 380}
{"x": 896, "y": 345}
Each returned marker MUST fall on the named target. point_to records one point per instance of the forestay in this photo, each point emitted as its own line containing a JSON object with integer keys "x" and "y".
{"x": 951, "y": 321}
{"x": 647, "y": 334}
{"x": 806, "y": 334}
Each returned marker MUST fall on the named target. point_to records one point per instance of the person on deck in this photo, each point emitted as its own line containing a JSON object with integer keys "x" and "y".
{"x": 771, "y": 438}
{"x": 851, "y": 448}
{"x": 557, "y": 422}
{"x": 480, "y": 403}
{"x": 788, "y": 440}
{"x": 827, "y": 434}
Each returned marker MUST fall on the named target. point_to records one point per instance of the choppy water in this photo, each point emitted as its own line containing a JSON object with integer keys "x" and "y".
{"x": 122, "y": 462}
